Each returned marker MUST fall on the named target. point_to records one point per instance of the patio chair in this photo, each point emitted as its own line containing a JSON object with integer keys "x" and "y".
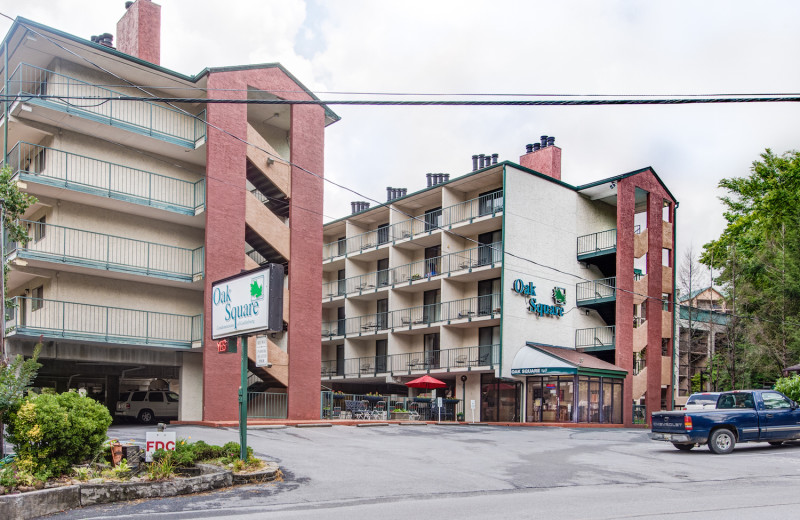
{"x": 366, "y": 367}
{"x": 461, "y": 360}
{"x": 362, "y": 411}
{"x": 413, "y": 412}
{"x": 379, "y": 412}
{"x": 413, "y": 363}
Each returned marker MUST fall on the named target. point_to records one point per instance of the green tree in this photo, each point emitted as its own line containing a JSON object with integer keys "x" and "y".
{"x": 758, "y": 255}
{"x": 15, "y": 203}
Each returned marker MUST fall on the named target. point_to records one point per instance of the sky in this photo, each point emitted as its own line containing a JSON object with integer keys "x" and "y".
{"x": 523, "y": 47}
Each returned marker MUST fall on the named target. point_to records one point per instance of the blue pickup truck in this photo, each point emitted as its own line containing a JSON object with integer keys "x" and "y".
{"x": 740, "y": 416}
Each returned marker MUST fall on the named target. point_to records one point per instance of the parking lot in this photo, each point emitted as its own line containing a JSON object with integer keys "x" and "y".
{"x": 483, "y": 472}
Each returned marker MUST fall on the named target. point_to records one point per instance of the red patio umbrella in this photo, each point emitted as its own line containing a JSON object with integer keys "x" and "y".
{"x": 426, "y": 382}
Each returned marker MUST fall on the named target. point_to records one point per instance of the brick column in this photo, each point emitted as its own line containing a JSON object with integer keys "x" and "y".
{"x": 626, "y": 207}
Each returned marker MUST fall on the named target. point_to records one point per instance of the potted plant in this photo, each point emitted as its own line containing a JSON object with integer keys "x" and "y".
{"x": 373, "y": 397}
{"x": 399, "y": 414}
{"x": 460, "y": 417}
{"x": 416, "y": 276}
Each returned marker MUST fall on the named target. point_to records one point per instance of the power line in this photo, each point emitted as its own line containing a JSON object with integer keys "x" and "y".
{"x": 514, "y": 103}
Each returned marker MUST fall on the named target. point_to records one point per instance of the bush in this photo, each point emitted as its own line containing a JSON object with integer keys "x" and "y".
{"x": 52, "y": 432}
{"x": 789, "y": 386}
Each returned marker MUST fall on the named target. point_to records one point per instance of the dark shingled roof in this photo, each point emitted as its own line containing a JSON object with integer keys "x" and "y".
{"x": 574, "y": 357}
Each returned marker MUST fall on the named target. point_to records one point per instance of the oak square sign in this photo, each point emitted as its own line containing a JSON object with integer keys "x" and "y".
{"x": 247, "y": 303}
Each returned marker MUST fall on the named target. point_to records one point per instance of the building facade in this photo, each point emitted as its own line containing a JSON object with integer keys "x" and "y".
{"x": 537, "y": 300}
{"x": 142, "y": 205}
{"x": 703, "y": 324}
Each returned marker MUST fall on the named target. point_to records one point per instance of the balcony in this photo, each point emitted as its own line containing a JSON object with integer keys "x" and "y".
{"x": 467, "y": 358}
{"x": 476, "y": 211}
{"x": 599, "y": 249}
{"x": 599, "y": 295}
{"x": 484, "y": 256}
{"x": 595, "y": 339}
{"x": 457, "y": 313}
{"x": 53, "y": 319}
{"x": 158, "y": 124}
{"x": 88, "y": 250}
{"x": 49, "y": 172}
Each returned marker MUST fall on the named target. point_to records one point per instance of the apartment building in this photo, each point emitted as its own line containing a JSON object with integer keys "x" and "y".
{"x": 142, "y": 205}
{"x": 538, "y": 300}
{"x": 703, "y": 323}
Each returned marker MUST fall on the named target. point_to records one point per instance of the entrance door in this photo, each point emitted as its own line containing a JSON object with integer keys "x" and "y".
{"x": 431, "y": 310}
{"x": 432, "y": 347}
{"x": 380, "y": 355}
{"x": 340, "y": 321}
{"x": 433, "y": 260}
{"x": 489, "y": 250}
{"x": 488, "y": 296}
{"x": 382, "y": 306}
{"x": 339, "y": 360}
{"x": 383, "y": 272}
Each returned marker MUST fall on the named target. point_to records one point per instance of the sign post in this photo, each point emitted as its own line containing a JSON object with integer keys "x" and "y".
{"x": 248, "y": 303}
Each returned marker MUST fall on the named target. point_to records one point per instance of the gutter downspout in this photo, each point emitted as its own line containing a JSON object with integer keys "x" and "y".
{"x": 674, "y": 297}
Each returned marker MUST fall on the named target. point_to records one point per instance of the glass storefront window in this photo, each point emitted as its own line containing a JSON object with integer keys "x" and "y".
{"x": 553, "y": 399}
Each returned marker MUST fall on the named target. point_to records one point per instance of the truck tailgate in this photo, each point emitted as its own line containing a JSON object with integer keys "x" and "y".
{"x": 668, "y": 422}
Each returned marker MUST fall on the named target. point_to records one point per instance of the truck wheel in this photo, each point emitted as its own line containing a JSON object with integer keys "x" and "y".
{"x": 683, "y": 447}
{"x": 146, "y": 417}
{"x": 722, "y": 441}
{"x": 775, "y": 443}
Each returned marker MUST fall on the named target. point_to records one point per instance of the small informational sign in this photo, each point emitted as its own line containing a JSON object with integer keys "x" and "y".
{"x": 472, "y": 404}
{"x": 262, "y": 356}
{"x": 158, "y": 441}
{"x": 439, "y": 402}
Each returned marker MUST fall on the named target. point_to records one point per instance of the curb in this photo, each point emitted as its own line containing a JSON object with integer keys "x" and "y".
{"x": 367, "y": 425}
{"x": 53, "y": 500}
{"x": 313, "y": 425}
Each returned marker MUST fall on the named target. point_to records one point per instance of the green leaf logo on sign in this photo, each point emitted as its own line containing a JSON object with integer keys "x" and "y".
{"x": 559, "y": 295}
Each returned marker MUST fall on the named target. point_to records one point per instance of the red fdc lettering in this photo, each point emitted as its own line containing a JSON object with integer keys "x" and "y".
{"x": 170, "y": 446}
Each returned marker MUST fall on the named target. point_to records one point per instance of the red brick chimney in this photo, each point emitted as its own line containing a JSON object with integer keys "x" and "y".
{"x": 139, "y": 31}
{"x": 544, "y": 157}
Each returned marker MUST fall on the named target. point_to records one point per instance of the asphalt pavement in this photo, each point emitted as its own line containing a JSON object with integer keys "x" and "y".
{"x": 481, "y": 472}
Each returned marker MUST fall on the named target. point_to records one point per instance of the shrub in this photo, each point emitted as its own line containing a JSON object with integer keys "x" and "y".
{"x": 52, "y": 432}
{"x": 789, "y": 386}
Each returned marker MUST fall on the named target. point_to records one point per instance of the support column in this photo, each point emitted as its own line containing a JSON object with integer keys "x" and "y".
{"x": 654, "y": 309}
{"x": 626, "y": 208}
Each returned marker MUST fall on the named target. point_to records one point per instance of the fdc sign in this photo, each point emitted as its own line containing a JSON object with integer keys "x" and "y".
{"x": 247, "y": 303}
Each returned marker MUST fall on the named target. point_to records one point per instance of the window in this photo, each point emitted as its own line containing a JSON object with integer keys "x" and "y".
{"x": 40, "y": 229}
{"x": 37, "y": 298}
{"x": 383, "y": 233}
{"x": 433, "y": 219}
{"x": 490, "y": 202}
{"x": 773, "y": 401}
{"x": 739, "y": 400}
{"x": 172, "y": 397}
{"x": 156, "y": 397}
{"x": 124, "y": 396}
{"x": 341, "y": 245}
{"x": 341, "y": 285}
{"x": 138, "y": 396}
{"x": 383, "y": 272}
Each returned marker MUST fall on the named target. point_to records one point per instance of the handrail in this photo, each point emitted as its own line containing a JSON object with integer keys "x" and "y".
{"x": 466, "y": 308}
{"x": 595, "y": 337}
{"x": 88, "y": 322}
{"x": 460, "y": 357}
{"x": 596, "y": 242}
{"x": 81, "y": 173}
{"x": 29, "y": 82}
{"x": 485, "y": 254}
{"x": 596, "y": 289}
{"x": 62, "y": 244}
{"x": 486, "y": 205}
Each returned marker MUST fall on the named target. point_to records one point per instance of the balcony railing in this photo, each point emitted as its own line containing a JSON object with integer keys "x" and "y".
{"x": 483, "y": 255}
{"x": 143, "y": 117}
{"x": 596, "y": 243}
{"x": 65, "y": 245}
{"x": 83, "y": 322}
{"x": 490, "y": 204}
{"x": 463, "y": 357}
{"x": 485, "y": 306}
{"x": 594, "y": 290}
{"x": 62, "y": 169}
{"x": 597, "y": 338}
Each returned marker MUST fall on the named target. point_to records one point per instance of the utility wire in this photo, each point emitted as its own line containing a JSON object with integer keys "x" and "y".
{"x": 514, "y": 103}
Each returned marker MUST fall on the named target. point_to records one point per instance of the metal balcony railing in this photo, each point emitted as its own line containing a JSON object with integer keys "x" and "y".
{"x": 54, "y": 167}
{"x": 143, "y": 117}
{"x": 483, "y": 255}
{"x": 462, "y": 357}
{"x": 604, "y": 289}
{"x": 52, "y": 243}
{"x": 595, "y": 338}
{"x": 490, "y": 204}
{"x": 83, "y": 322}
{"x": 485, "y": 306}
{"x": 594, "y": 243}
